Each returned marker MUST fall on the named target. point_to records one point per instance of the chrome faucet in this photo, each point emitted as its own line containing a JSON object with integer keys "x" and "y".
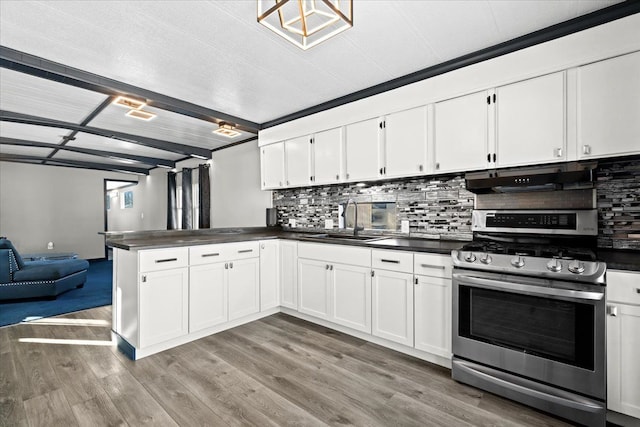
{"x": 355, "y": 220}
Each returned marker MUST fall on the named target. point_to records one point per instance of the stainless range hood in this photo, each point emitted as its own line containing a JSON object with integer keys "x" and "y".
{"x": 540, "y": 178}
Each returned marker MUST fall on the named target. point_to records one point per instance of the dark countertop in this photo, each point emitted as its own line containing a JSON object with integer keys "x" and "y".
{"x": 620, "y": 259}
{"x": 140, "y": 240}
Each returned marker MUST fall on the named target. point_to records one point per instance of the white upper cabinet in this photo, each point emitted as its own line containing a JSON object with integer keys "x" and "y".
{"x": 298, "y": 161}
{"x": 327, "y": 156}
{"x": 530, "y": 121}
{"x": 362, "y": 141}
{"x": 272, "y": 159}
{"x": 461, "y": 142}
{"x": 518, "y": 124}
{"x": 608, "y": 107}
{"x": 405, "y": 143}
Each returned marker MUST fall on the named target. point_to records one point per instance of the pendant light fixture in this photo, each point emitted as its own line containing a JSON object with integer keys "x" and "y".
{"x": 306, "y": 23}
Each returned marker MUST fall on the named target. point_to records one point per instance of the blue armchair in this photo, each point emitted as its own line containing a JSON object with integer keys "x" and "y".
{"x": 20, "y": 279}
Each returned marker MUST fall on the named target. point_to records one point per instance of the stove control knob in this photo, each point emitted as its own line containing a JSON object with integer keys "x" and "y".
{"x": 517, "y": 261}
{"x": 554, "y": 265}
{"x": 486, "y": 259}
{"x": 576, "y": 267}
{"x": 470, "y": 257}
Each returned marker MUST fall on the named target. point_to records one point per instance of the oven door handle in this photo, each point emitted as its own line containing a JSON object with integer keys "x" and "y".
{"x": 529, "y": 289}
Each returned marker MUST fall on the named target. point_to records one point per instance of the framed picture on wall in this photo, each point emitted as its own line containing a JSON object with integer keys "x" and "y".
{"x": 127, "y": 199}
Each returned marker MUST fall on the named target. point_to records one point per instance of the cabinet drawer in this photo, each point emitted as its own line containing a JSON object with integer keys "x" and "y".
{"x": 163, "y": 259}
{"x": 433, "y": 265}
{"x": 206, "y": 254}
{"x": 392, "y": 260}
{"x": 623, "y": 286}
{"x": 242, "y": 250}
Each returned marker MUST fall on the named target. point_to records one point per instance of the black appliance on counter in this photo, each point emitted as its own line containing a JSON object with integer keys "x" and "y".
{"x": 529, "y": 311}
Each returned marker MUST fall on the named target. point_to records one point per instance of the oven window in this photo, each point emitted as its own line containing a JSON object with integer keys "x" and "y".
{"x": 549, "y": 328}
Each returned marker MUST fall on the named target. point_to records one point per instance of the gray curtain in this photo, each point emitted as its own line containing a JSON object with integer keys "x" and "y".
{"x": 204, "y": 191}
{"x": 187, "y": 200}
{"x": 172, "y": 205}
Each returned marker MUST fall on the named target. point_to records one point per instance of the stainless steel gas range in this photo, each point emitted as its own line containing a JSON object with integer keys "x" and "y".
{"x": 529, "y": 311}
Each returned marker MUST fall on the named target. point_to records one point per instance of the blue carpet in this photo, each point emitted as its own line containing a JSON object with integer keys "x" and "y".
{"x": 95, "y": 293}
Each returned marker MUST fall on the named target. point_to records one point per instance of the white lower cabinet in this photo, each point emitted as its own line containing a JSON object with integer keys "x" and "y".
{"x": 244, "y": 287}
{"x": 164, "y": 305}
{"x": 207, "y": 296}
{"x": 432, "y": 293}
{"x": 289, "y": 274}
{"x": 351, "y": 296}
{"x": 269, "y": 274}
{"x": 393, "y": 306}
{"x": 623, "y": 342}
{"x": 314, "y": 288}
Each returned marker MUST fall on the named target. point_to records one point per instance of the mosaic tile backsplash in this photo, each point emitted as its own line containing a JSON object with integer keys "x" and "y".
{"x": 440, "y": 207}
{"x": 618, "y": 201}
{"x": 435, "y": 207}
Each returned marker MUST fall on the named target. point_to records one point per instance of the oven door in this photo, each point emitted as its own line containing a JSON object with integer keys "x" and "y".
{"x": 548, "y": 331}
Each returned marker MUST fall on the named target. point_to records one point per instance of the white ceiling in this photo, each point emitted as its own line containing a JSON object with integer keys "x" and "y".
{"x": 214, "y": 54}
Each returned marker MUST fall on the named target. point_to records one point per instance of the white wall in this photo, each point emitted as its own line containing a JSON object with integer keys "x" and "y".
{"x": 40, "y": 204}
{"x": 236, "y": 198}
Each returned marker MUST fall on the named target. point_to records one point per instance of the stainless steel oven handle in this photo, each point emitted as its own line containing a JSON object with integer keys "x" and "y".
{"x": 528, "y": 289}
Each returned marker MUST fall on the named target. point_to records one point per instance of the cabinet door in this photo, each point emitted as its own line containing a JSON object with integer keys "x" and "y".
{"x": 623, "y": 348}
{"x": 289, "y": 274}
{"x": 269, "y": 277}
{"x": 351, "y": 296}
{"x": 433, "y": 315}
{"x": 272, "y": 157}
{"x": 207, "y": 296}
{"x": 244, "y": 287}
{"x": 609, "y": 107}
{"x": 361, "y": 150}
{"x": 327, "y": 156}
{"x": 298, "y": 161}
{"x": 313, "y": 288}
{"x": 393, "y": 306}
{"x": 530, "y": 121}
{"x": 164, "y": 305}
{"x": 405, "y": 143}
{"x": 461, "y": 135}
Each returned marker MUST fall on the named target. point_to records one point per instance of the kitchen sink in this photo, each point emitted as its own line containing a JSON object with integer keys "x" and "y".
{"x": 344, "y": 237}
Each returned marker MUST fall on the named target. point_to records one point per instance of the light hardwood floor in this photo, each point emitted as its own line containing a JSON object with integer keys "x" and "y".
{"x": 276, "y": 371}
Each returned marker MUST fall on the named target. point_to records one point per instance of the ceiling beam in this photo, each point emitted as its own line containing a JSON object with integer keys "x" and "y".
{"x": 106, "y": 154}
{"x": 187, "y": 150}
{"x": 43, "y": 68}
{"x": 73, "y": 163}
{"x": 253, "y": 138}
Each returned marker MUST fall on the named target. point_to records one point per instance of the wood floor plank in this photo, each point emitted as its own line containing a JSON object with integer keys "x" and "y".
{"x": 11, "y": 408}
{"x": 134, "y": 402}
{"x": 98, "y": 411}
{"x": 49, "y": 409}
{"x": 180, "y": 403}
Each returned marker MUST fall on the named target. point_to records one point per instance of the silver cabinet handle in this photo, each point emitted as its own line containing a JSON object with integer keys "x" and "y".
{"x": 230, "y": 265}
{"x": 637, "y": 290}
{"x": 586, "y": 149}
{"x": 144, "y": 279}
{"x": 437, "y": 166}
{"x": 420, "y": 168}
{"x": 280, "y": 184}
{"x": 244, "y": 251}
{"x": 337, "y": 177}
{"x": 166, "y": 260}
{"x": 392, "y": 261}
{"x": 558, "y": 152}
{"x": 331, "y": 267}
{"x": 373, "y": 273}
{"x": 347, "y": 176}
{"x": 208, "y": 255}
{"x": 439, "y": 267}
{"x": 226, "y": 265}
{"x": 262, "y": 246}
{"x": 612, "y": 310}
{"x": 326, "y": 267}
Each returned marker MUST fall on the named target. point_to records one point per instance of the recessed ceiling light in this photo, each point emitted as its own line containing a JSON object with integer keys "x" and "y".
{"x": 140, "y": 114}
{"x": 123, "y": 101}
{"x": 227, "y": 130}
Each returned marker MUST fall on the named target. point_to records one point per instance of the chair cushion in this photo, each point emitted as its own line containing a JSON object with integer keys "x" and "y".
{"x": 49, "y": 270}
{"x": 6, "y": 244}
